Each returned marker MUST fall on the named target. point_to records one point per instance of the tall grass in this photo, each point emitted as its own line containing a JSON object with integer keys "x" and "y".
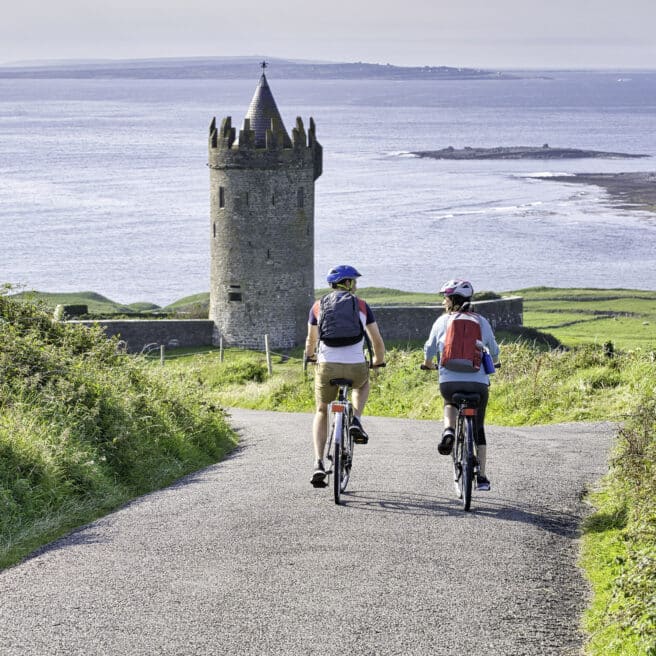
{"x": 619, "y": 549}
{"x": 84, "y": 428}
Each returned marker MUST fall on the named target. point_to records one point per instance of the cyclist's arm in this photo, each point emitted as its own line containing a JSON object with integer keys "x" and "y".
{"x": 311, "y": 341}
{"x": 489, "y": 340}
{"x": 431, "y": 347}
{"x": 376, "y": 343}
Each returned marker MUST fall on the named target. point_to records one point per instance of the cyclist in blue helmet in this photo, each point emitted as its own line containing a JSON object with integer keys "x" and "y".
{"x": 337, "y": 325}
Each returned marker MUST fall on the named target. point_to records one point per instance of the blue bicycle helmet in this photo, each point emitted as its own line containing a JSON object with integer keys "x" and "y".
{"x": 342, "y": 272}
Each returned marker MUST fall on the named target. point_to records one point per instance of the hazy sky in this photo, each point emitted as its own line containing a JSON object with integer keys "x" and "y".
{"x": 472, "y": 33}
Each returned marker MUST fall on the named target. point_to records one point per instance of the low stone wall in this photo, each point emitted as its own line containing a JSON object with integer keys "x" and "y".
{"x": 413, "y": 322}
{"x": 137, "y": 333}
{"x": 396, "y": 322}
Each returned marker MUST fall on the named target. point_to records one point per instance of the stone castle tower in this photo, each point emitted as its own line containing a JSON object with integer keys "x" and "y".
{"x": 262, "y": 226}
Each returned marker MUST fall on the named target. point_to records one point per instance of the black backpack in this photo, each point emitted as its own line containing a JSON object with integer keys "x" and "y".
{"x": 339, "y": 319}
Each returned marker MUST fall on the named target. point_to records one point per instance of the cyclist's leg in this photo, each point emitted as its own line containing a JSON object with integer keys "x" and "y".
{"x": 450, "y": 416}
{"x": 320, "y": 430}
{"x": 359, "y": 374}
{"x": 324, "y": 393}
{"x": 481, "y": 442}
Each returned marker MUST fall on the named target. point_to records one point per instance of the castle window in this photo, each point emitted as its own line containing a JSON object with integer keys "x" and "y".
{"x": 300, "y": 197}
{"x": 214, "y": 230}
{"x": 235, "y": 293}
{"x": 246, "y": 199}
{"x": 273, "y": 199}
{"x": 221, "y": 197}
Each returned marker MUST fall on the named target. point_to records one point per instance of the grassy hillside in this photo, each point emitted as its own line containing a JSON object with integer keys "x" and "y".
{"x": 96, "y": 303}
{"x": 84, "y": 428}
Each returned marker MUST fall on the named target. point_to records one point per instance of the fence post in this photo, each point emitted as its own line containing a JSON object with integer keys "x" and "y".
{"x": 221, "y": 348}
{"x": 161, "y": 354}
{"x": 268, "y": 355}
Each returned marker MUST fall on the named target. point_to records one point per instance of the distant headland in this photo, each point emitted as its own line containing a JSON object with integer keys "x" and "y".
{"x": 225, "y": 68}
{"x": 520, "y": 152}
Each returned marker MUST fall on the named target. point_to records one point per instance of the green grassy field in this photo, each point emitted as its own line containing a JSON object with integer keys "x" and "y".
{"x": 577, "y": 316}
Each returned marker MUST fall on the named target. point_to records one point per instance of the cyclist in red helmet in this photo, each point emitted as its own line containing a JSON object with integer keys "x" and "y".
{"x": 457, "y": 299}
{"x": 340, "y": 357}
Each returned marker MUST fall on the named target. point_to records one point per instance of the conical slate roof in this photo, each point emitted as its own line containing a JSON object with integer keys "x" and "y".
{"x": 262, "y": 109}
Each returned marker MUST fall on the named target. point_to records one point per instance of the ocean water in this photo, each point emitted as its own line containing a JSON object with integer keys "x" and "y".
{"x": 104, "y": 185}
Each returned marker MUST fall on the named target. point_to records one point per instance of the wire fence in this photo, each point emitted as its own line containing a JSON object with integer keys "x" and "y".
{"x": 149, "y": 350}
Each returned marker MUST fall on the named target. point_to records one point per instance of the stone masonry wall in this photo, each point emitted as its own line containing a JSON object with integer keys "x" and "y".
{"x": 410, "y": 322}
{"x": 397, "y": 323}
{"x": 171, "y": 333}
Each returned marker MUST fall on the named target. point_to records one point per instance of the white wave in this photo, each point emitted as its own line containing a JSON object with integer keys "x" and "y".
{"x": 401, "y": 153}
{"x": 547, "y": 174}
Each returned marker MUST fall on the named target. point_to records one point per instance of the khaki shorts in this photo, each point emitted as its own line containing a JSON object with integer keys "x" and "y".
{"x": 324, "y": 392}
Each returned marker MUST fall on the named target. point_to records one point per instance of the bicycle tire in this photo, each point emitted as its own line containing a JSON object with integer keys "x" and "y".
{"x": 347, "y": 455}
{"x": 337, "y": 456}
{"x": 468, "y": 463}
{"x": 456, "y": 454}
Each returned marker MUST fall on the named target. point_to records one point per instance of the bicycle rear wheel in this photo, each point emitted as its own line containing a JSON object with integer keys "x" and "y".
{"x": 347, "y": 455}
{"x": 468, "y": 463}
{"x": 338, "y": 456}
{"x": 456, "y": 453}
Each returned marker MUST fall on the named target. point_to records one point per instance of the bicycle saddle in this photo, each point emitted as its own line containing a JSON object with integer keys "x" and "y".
{"x": 460, "y": 397}
{"x": 341, "y": 381}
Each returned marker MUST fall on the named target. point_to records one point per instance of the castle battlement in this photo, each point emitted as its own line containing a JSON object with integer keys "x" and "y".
{"x": 226, "y": 150}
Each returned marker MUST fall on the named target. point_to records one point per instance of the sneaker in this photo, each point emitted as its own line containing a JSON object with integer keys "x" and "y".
{"x": 319, "y": 476}
{"x": 446, "y": 444}
{"x": 482, "y": 483}
{"x": 358, "y": 433}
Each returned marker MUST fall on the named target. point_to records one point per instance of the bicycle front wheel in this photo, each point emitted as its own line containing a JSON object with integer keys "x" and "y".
{"x": 468, "y": 463}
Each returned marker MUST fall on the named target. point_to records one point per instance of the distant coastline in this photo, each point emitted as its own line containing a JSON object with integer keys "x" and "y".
{"x": 217, "y": 68}
{"x": 634, "y": 190}
{"x": 520, "y": 152}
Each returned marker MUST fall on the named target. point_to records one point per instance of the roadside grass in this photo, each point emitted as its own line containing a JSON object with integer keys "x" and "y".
{"x": 84, "y": 429}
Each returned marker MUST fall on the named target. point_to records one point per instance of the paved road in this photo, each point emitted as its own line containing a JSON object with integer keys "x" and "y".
{"x": 247, "y": 558}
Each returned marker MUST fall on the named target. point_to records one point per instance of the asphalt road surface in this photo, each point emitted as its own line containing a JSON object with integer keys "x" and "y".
{"x": 246, "y": 557}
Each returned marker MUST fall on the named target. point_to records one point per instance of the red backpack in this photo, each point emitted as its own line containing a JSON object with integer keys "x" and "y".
{"x": 460, "y": 350}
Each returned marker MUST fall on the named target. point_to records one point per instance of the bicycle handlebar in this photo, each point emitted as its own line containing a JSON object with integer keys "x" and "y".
{"x": 307, "y": 360}
{"x": 423, "y": 367}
